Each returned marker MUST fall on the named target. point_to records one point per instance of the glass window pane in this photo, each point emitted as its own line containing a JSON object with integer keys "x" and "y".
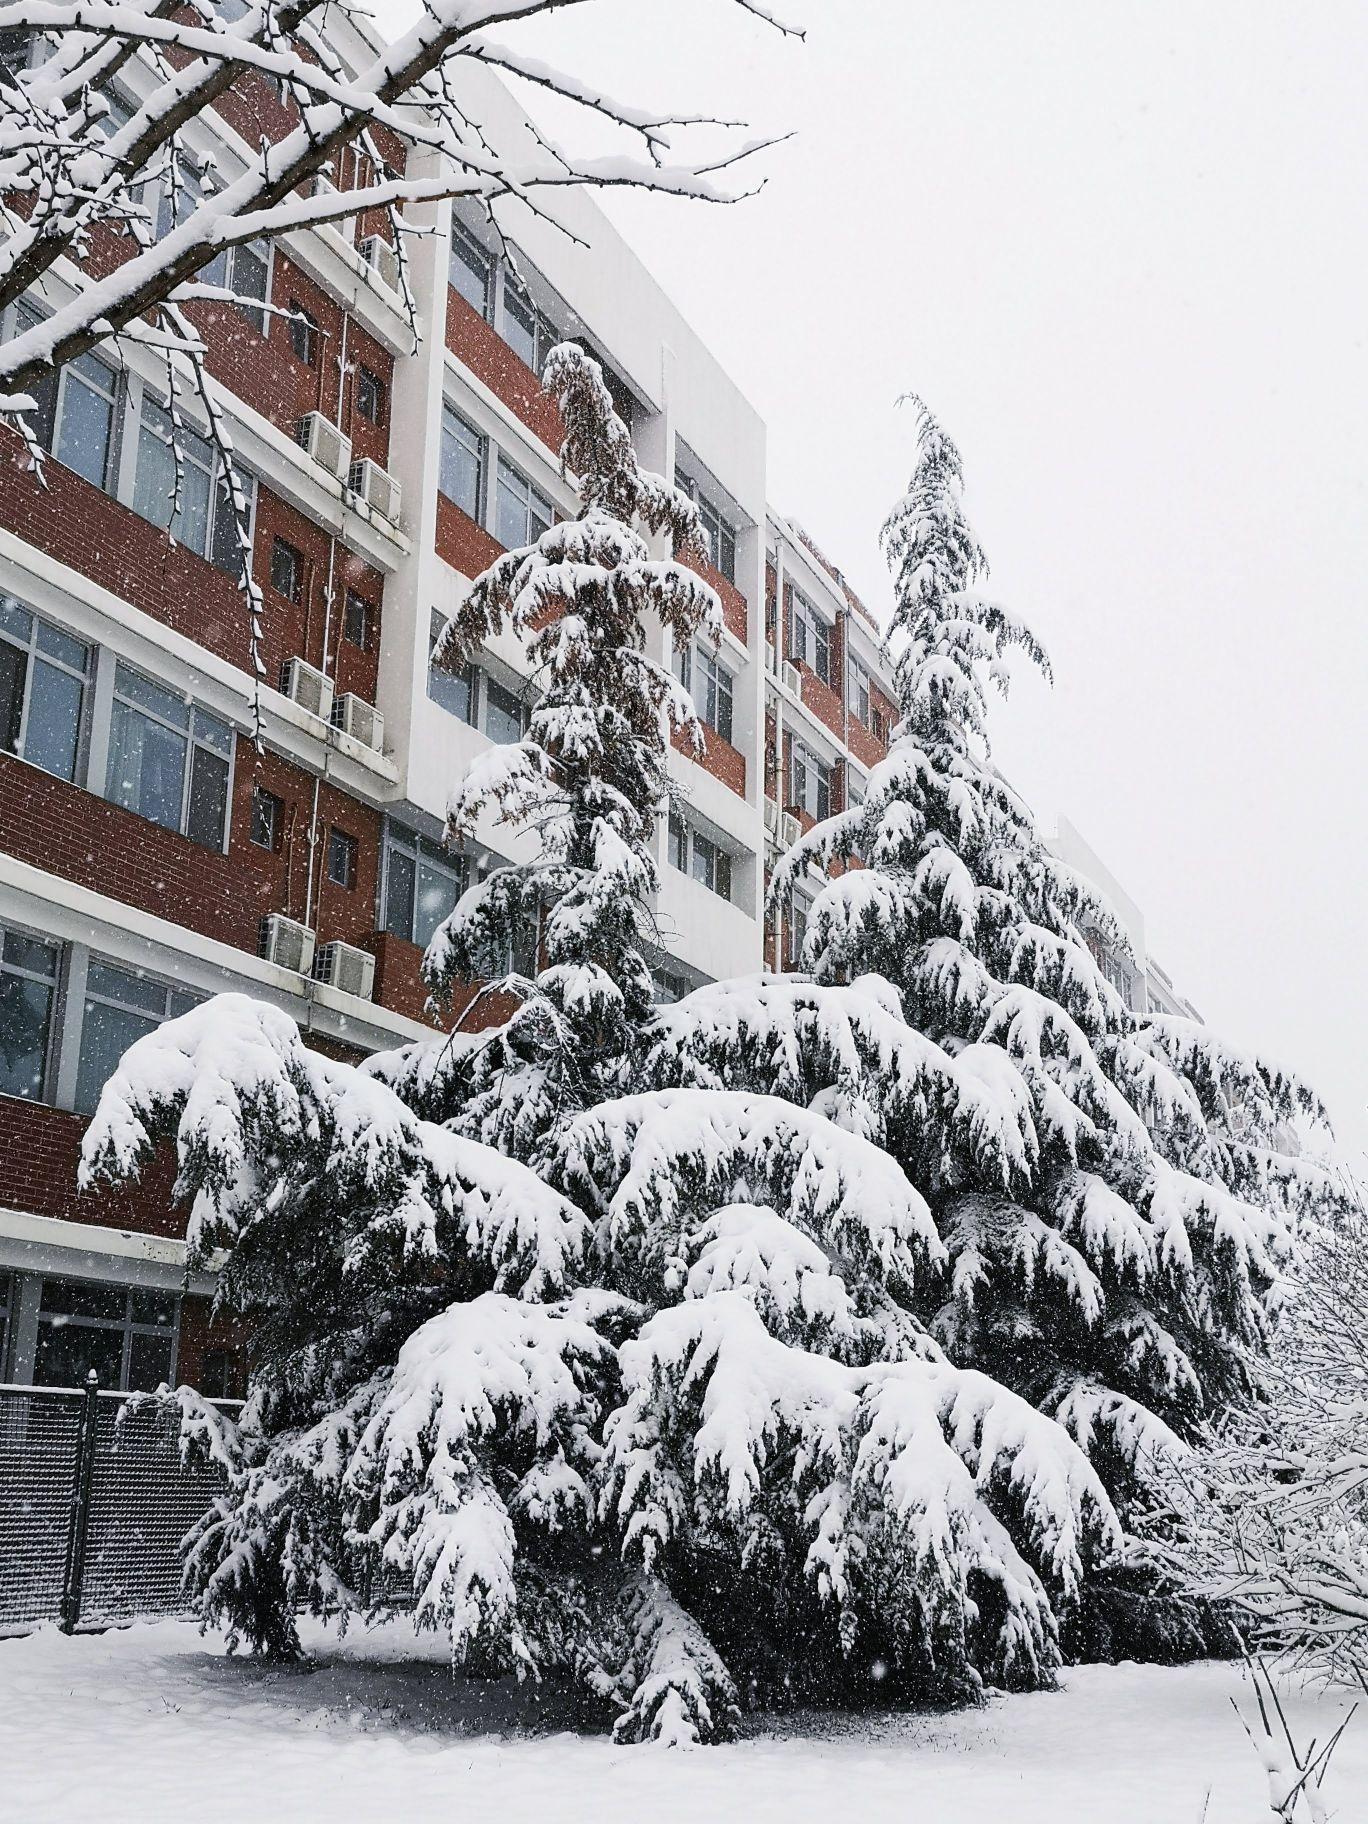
{"x": 207, "y": 814}
{"x": 437, "y": 893}
{"x": 60, "y": 646}
{"x": 154, "y": 1308}
{"x": 149, "y": 1362}
{"x": 53, "y": 734}
{"x": 146, "y": 767}
{"x": 180, "y": 1001}
{"x": 400, "y": 878}
{"x": 30, "y": 954}
{"x": 462, "y": 463}
{"x": 125, "y": 986}
{"x": 106, "y": 1034}
{"x": 503, "y": 714}
{"x": 83, "y": 433}
{"x": 210, "y": 732}
{"x": 84, "y": 1298}
{"x": 155, "y": 481}
{"x": 67, "y": 1352}
{"x": 15, "y": 621}
{"x": 191, "y": 527}
{"x": 25, "y": 1026}
{"x": 510, "y": 513}
{"x": 520, "y": 325}
{"x": 470, "y": 270}
{"x": 163, "y": 703}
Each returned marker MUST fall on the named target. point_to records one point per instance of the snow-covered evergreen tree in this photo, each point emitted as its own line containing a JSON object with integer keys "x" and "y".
{"x": 667, "y": 1423}
{"x": 588, "y": 779}
{"x": 1114, "y": 1200}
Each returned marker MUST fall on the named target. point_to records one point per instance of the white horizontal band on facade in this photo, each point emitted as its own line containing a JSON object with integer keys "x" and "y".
{"x": 86, "y": 1250}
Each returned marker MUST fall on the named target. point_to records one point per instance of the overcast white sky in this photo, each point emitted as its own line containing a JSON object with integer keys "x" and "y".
{"x": 1120, "y": 250}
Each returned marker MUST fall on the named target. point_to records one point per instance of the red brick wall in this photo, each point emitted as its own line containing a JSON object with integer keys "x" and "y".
{"x": 733, "y": 602}
{"x": 719, "y": 758}
{"x": 81, "y": 526}
{"x": 461, "y": 541}
{"x": 478, "y": 345}
{"x": 39, "y": 1152}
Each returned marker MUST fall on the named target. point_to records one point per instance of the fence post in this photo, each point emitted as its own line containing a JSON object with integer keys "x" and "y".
{"x": 74, "y": 1575}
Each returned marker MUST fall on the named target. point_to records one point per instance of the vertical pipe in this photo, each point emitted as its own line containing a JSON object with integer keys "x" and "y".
{"x": 74, "y": 1575}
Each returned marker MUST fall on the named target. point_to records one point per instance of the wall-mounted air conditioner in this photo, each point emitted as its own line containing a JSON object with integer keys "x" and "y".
{"x": 789, "y": 829}
{"x": 361, "y": 720}
{"x": 307, "y": 687}
{"x": 792, "y": 678}
{"x": 377, "y": 487}
{"x": 771, "y": 817}
{"x": 320, "y": 437}
{"x": 287, "y": 943}
{"x": 383, "y": 261}
{"x": 346, "y": 968}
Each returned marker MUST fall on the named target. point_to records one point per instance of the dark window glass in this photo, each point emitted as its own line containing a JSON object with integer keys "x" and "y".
{"x": 303, "y": 333}
{"x": 287, "y": 571}
{"x": 207, "y": 812}
{"x": 42, "y": 690}
{"x": 522, "y": 512}
{"x": 268, "y": 813}
{"x": 370, "y": 395}
{"x": 250, "y": 269}
{"x": 341, "y": 858}
{"x": 678, "y": 844}
{"x": 356, "y": 620}
{"x": 149, "y": 1362}
{"x": 401, "y": 878}
{"x": 520, "y": 324}
{"x": 503, "y": 713}
{"x": 28, "y": 981}
{"x": 128, "y": 1338}
{"x": 120, "y": 1006}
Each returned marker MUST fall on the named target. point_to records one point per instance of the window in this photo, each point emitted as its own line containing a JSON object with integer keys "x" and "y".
{"x": 75, "y": 416}
{"x": 370, "y": 395}
{"x": 692, "y": 853}
{"x": 268, "y": 818}
{"x": 127, "y": 1335}
{"x": 202, "y": 517}
{"x": 28, "y": 986}
{"x": 521, "y": 512}
{"x": 454, "y": 690}
{"x": 861, "y": 694}
{"x": 719, "y": 535}
{"x": 525, "y": 329}
{"x": 472, "y": 271}
{"x": 796, "y": 925}
{"x": 120, "y": 1007}
{"x": 357, "y": 616}
{"x": 341, "y": 859}
{"x": 710, "y": 682}
{"x": 42, "y": 690}
{"x": 168, "y": 761}
{"x": 287, "y": 571}
{"x": 222, "y": 1376}
{"x": 503, "y": 712}
{"x": 809, "y": 783}
{"x": 244, "y": 270}
{"x": 463, "y": 463}
{"x": 6, "y": 1319}
{"x": 809, "y": 637}
{"x": 667, "y": 987}
{"x": 421, "y": 886}
{"x": 303, "y": 334}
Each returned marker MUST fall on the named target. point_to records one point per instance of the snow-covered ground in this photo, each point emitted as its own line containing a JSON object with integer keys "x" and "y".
{"x": 152, "y": 1723}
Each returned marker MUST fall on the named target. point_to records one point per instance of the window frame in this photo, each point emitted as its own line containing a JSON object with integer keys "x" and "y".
{"x": 353, "y": 602}
{"x": 52, "y": 393}
{"x": 128, "y": 1326}
{"x": 263, "y": 796}
{"x": 454, "y": 424}
{"x": 719, "y": 532}
{"x": 304, "y": 327}
{"x": 420, "y": 853}
{"x": 682, "y": 852}
{"x": 815, "y": 642}
{"x": 509, "y": 480}
{"x": 717, "y": 693}
{"x": 369, "y": 384}
{"x": 35, "y": 655}
{"x": 804, "y": 760}
{"x": 462, "y": 238}
{"x": 220, "y": 527}
{"x": 53, "y": 985}
{"x": 343, "y": 846}
{"x": 104, "y": 997}
{"x": 193, "y": 742}
{"x": 542, "y": 332}
{"x": 297, "y": 594}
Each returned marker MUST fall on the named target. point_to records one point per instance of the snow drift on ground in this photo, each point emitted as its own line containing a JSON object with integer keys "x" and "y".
{"x": 153, "y": 1724}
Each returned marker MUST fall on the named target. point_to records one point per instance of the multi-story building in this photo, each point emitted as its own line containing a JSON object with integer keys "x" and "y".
{"x": 151, "y": 854}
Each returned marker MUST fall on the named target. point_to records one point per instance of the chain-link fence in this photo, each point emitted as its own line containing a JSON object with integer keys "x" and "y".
{"x": 94, "y": 1502}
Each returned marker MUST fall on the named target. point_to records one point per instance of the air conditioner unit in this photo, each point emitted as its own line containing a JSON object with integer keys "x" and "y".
{"x": 771, "y": 816}
{"x": 287, "y": 943}
{"x": 325, "y": 443}
{"x": 789, "y": 829}
{"x": 377, "y": 487}
{"x": 792, "y": 678}
{"x": 344, "y": 967}
{"x": 361, "y": 720}
{"x": 309, "y": 688}
{"x": 383, "y": 261}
